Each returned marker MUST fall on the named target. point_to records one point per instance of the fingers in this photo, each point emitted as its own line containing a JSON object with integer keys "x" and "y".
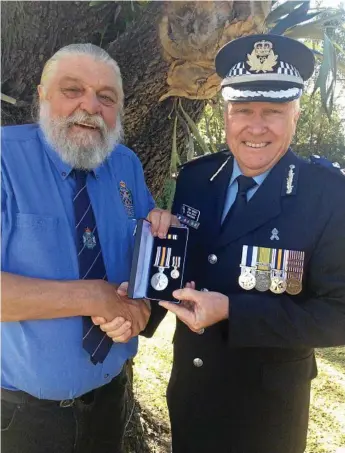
{"x": 187, "y": 294}
{"x": 117, "y": 325}
{"x": 97, "y": 320}
{"x": 160, "y": 222}
{"x": 122, "y": 338}
{"x": 122, "y": 289}
{"x": 164, "y": 224}
{"x": 190, "y": 285}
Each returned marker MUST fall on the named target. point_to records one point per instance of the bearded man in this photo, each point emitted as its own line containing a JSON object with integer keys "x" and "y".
{"x": 70, "y": 197}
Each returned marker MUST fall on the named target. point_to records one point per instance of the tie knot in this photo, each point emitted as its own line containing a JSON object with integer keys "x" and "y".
{"x": 245, "y": 183}
{"x": 80, "y": 176}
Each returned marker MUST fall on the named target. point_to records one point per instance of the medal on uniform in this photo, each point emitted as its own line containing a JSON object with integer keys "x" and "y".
{"x": 294, "y": 272}
{"x": 176, "y": 263}
{"x": 248, "y": 265}
{"x": 172, "y": 237}
{"x": 160, "y": 281}
{"x": 278, "y": 272}
{"x": 89, "y": 239}
{"x": 263, "y": 275}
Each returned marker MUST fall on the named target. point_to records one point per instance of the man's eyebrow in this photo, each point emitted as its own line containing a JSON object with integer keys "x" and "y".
{"x": 70, "y": 79}
{"x": 75, "y": 79}
{"x": 108, "y": 88}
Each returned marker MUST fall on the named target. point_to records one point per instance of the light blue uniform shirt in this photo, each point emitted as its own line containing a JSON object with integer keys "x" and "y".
{"x": 45, "y": 357}
{"x": 233, "y": 187}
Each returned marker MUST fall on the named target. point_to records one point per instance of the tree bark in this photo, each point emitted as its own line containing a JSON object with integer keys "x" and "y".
{"x": 148, "y": 122}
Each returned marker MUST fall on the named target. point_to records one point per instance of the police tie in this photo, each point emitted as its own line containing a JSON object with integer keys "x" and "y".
{"x": 91, "y": 264}
{"x": 245, "y": 183}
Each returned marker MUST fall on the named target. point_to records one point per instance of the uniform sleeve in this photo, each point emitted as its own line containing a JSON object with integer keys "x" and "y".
{"x": 266, "y": 320}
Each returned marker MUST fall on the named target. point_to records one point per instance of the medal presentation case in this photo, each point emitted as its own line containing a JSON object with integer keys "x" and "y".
{"x": 158, "y": 264}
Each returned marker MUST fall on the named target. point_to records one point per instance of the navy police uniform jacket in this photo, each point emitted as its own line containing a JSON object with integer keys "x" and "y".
{"x": 243, "y": 385}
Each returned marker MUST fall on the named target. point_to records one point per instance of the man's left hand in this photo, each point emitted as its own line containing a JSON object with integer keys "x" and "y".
{"x": 199, "y": 309}
{"x": 161, "y": 221}
{"x": 120, "y": 330}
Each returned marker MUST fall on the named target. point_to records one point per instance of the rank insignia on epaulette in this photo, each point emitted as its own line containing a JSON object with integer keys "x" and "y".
{"x": 127, "y": 199}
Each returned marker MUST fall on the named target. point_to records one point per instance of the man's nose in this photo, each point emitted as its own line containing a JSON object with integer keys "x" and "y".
{"x": 257, "y": 126}
{"x": 90, "y": 103}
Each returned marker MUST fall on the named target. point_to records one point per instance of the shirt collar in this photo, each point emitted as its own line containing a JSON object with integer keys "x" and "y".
{"x": 63, "y": 169}
{"x": 236, "y": 171}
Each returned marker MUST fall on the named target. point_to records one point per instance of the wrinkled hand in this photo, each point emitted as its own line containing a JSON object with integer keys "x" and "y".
{"x": 198, "y": 309}
{"x": 161, "y": 221}
{"x": 121, "y": 329}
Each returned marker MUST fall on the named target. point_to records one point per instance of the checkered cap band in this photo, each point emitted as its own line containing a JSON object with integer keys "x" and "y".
{"x": 283, "y": 68}
{"x": 237, "y": 70}
{"x": 287, "y": 69}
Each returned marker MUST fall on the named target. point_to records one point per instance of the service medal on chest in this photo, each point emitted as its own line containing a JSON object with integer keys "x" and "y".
{"x": 247, "y": 281}
{"x": 278, "y": 285}
{"x": 263, "y": 281}
{"x": 293, "y": 286}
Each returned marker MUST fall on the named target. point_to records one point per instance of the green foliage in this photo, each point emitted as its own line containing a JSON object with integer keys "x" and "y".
{"x": 317, "y": 133}
{"x": 167, "y": 196}
{"x": 297, "y": 20}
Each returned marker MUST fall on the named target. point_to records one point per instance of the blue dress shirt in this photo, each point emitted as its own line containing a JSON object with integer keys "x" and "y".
{"x": 233, "y": 187}
{"x": 45, "y": 357}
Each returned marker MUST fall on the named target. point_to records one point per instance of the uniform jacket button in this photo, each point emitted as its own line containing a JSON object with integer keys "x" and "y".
{"x": 201, "y": 331}
{"x": 212, "y": 259}
{"x": 205, "y": 290}
{"x": 198, "y": 362}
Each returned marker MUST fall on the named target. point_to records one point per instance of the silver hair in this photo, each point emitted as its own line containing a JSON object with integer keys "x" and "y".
{"x": 97, "y": 53}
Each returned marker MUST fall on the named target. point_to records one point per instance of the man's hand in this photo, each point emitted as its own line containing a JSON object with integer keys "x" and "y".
{"x": 161, "y": 221}
{"x": 198, "y": 309}
{"x": 121, "y": 329}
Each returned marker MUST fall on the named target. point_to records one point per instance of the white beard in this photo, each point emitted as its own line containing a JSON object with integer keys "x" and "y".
{"x": 83, "y": 150}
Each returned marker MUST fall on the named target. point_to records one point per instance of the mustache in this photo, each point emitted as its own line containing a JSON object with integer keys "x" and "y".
{"x": 83, "y": 117}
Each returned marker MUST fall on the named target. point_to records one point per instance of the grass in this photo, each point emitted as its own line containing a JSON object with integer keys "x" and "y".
{"x": 151, "y": 374}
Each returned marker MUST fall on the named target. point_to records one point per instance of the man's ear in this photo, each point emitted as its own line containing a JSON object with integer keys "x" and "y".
{"x": 41, "y": 92}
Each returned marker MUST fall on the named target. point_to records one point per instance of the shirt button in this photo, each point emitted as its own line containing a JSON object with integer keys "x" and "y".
{"x": 212, "y": 259}
{"x": 201, "y": 331}
{"x": 106, "y": 376}
{"x": 198, "y": 362}
{"x": 63, "y": 173}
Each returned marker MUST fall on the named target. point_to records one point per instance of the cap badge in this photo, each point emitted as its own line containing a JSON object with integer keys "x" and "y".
{"x": 262, "y": 57}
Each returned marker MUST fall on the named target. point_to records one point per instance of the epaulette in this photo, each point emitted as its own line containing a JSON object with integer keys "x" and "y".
{"x": 323, "y": 162}
{"x": 206, "y": 158}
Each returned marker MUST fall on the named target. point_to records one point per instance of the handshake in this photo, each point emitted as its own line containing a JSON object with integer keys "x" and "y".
{"x": 118, "y": 316}
{"x": 123, "y": 318}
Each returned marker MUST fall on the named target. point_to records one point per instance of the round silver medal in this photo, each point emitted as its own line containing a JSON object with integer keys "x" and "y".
{"x": 263, "y": 281}
{"x": 175, "y": 273}
{"x": 247, "y": 281}
{"x": 278, "y": 285}
{"x": 159, "y": 281}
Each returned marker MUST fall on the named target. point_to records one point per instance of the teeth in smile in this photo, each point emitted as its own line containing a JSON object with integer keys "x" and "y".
{"x": 86, "y": 125}
{"x": 256, "y": 145}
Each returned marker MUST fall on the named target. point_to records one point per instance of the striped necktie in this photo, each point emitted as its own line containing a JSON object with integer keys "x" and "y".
{"x": 91, "y": 264}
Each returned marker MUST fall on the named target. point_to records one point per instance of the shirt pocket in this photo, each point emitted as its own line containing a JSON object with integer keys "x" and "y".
{"x": 38, "y": 247}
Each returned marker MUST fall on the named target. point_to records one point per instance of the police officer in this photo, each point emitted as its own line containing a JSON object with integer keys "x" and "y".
{"x": 265, "y": 265}
{"x": 70, "y": 194}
